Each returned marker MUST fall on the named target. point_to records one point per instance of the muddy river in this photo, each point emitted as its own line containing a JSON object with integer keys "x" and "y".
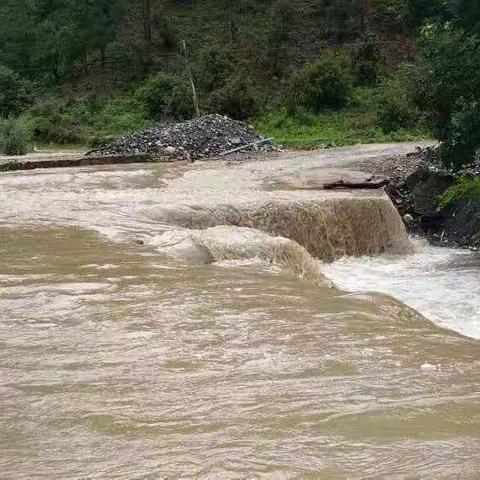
{"x": 221, "y": 322}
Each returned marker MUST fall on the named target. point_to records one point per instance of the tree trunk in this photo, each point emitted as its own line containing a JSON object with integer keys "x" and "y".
{"x": 147, "y": 20}
{"x": 103, "y": 56}
{"x": 363, "y": 14}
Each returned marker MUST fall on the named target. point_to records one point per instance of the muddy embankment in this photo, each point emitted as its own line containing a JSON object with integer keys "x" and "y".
{"x": 419, "y": 187}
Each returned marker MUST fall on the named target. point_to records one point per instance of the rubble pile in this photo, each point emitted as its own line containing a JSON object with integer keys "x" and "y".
{"x": 201, "y": 137}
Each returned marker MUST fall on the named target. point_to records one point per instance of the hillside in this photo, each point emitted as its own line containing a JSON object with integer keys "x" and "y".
{"x": 87, "y": 71}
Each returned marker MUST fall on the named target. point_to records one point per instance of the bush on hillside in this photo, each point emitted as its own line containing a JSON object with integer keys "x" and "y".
{"x": 237, "y": 99}
{"x": 119, "y": 54}
{"x": 366, "y": 58}
{"x": 14, "y": 92}
{"x": 166, "y": 96}
{"x": 52, "y": 120}
{"x": 325, "y": 83}
{"x": 119, "y": 115}
{"x": 465, "y": 187}
{"x": 223, "y": 80}
{"x": 448, "y": 89}
{"x": 215, "y": 65}
{"x": 92, "y": 121}
{"x": 396, "y": 108}
{"x": 14, "y": 137}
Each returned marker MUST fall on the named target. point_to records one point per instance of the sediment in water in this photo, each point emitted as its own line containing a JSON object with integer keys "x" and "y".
{"x": 225, "y": 243}
{"x": 327, "y": 227}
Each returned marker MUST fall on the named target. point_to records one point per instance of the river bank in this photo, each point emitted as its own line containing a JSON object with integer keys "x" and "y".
{"x": 420, "y": 186}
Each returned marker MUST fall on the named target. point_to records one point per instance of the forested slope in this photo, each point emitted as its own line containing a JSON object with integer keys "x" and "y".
{"x": 309, "y": 72}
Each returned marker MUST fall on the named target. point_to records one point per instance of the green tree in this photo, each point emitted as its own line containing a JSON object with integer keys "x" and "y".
{"x": 18, "y": 33}
{"x": 448, "y": 89}
{"x": 14, "y": 92}
{"x": 50, "y": 36}
{"x": 166, "y": 96}
{"x": 468, "y": 13}
{"x": 325, "y": 83}
{"x": 14, "y": 137}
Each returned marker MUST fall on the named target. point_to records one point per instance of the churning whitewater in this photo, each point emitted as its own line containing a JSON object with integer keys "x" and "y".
{"x": 213, "y": 321}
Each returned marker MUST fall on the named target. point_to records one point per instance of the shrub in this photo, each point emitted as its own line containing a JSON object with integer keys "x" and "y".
{"x": 166, "y": 96}
{"x": 223, "y": 81}
{"x": 14, "y": 137}
{"x": 395, "y": 105}
{"x": 326, "y": 83}
{"x": 237, "y": 99}
{"x": 119, "y": 54}
{"x": 92, "y": 121}
{"x": 121, "y": 114}
{"x": 215, "y": 65}
{"x": 52, "y": 120}
{"x": 13, "y": 92}
{"x": 449, "y": 91}
{"x": 367, "y": 56}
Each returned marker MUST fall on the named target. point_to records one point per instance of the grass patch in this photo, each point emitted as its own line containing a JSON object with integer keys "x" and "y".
{"x": 466, "y": 187}
{"x": 331, "y": 129}
{"x": 59, "y": 123}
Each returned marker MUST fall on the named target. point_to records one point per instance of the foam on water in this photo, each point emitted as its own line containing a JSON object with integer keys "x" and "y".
{"x": 220, "y": 244}
{"x": 441, "y": 283}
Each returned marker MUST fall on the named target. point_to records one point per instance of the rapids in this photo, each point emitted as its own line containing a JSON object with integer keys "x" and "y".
{"x": 174, "y": 321}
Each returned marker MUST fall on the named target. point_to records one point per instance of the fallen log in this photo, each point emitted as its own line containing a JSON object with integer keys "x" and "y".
{"x": 370, "y": 183}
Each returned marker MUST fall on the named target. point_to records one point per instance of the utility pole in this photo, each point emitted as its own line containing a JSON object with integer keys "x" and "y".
{"x": 190, "y": 76}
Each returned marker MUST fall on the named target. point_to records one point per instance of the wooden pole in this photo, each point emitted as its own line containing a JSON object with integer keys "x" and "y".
{"x": 190, "y": 76}
{"x": 363, "y": 14}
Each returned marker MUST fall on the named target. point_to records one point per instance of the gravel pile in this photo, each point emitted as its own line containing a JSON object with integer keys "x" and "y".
{"x": 202, "y": 137}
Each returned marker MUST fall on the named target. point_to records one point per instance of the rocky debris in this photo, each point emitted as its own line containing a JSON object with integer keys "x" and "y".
{"x": 397, "y": 167}
{"x": 418, "y": 179}
{"x": 202, "y": 137}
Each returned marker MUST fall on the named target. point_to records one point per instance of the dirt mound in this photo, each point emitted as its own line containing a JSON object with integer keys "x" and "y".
{"x": 201, "y": 137}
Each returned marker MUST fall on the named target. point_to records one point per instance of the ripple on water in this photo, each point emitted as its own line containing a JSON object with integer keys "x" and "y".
{"x": 228, "y": 369}
{"x": 440, "y": 283}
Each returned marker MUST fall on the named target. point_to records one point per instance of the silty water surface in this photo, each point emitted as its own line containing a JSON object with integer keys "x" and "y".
{"x": 155, "y": 324}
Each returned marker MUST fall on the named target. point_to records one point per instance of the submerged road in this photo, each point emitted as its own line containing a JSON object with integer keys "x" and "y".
{"x": 179, "y": 321}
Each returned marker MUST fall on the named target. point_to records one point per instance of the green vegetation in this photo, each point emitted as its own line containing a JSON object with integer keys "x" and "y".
{"x": 13, "y": 92}
{"x": 449, "y": 90}
{"x": 166, "y": 96}
{"x": 324, "y": 83}
{"x": 57, "y": 122}
{"x": 466, "y": 187}
{"x": 331, "y": 129}
{"x": 395, "y": 106}
{"x": 14, "y": 137}
{"x": 82, "y": 72}
{"x": 326, "y": 72}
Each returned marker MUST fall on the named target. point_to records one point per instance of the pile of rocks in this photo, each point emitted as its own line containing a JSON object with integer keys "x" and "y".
{"x": 201, "y": 137}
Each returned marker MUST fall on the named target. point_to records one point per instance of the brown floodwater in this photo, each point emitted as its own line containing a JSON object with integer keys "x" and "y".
{"x": 178, "y": 322}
